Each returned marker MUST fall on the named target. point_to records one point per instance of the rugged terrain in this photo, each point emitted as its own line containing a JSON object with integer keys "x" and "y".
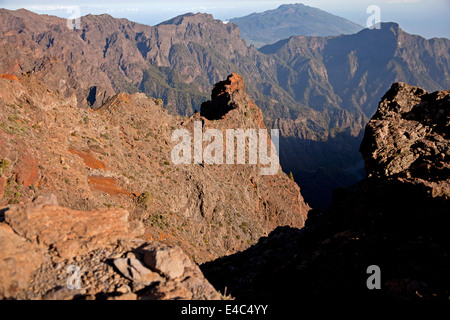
{"x": 319, "y": 91}
{"x": 116, "y": 160}
{"x": 55, "y": 253}
{"x": 395, "y": 219}
{"x": 87, "y": 181}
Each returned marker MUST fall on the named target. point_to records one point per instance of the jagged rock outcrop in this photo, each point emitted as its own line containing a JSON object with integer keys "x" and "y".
{"x": 229, "y": 95}
{"x": 223, "y": 97}
{"x": 19, "y": 259}
{"x": 397, "y": 219}
{"x": 409, "y": 134}
{"x": 69, "y": 232}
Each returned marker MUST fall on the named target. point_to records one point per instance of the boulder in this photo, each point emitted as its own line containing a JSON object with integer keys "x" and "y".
{"x": 18, "y": 260}
{"x": 69, "y": 232}
{"x": 134, "y": 270}
{"x": 169, "y": 261}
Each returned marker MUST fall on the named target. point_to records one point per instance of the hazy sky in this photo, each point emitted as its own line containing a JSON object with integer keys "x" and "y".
{"x": 429, "y": 18}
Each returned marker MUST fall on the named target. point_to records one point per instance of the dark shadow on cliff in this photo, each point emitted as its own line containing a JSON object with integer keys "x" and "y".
{"x": 319, "y": 167}
{"x": 395, "y": 225}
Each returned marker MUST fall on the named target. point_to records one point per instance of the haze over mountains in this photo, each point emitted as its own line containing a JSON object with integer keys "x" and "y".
{"x": 291, "y": 19}
{"x": 319, "y": 91}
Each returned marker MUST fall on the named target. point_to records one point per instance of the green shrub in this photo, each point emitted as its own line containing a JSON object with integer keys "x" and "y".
{"x": 158, "y": 220}
{"x": 291, "y": 176}
{"x": 4, "y": 166}
{"x": 145, "y": 199}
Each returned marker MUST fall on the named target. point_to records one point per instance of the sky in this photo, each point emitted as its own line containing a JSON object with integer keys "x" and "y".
{"x": 428, "y": 18}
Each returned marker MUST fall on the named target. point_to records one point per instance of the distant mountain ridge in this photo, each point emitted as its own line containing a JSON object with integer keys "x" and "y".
{"x": 291, "y": 19}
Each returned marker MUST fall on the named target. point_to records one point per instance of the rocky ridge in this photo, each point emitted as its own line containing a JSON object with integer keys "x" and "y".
{"x": 318, "y": 91}
{"x": 113, "y": 165}
{"x": 395, "y": 219}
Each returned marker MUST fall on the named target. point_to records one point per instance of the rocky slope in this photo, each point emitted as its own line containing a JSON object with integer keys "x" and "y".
{"x": 287, "y": 20}
{"x": 318, "y": 91}
{"x": 119, "y": 156}
{"x": 395, "y": 219}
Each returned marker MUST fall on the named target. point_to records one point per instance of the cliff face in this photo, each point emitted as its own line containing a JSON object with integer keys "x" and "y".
{"x": 119, "y": 156}
{"x": 395, "y": 219}
{"x": 408, "y": 135}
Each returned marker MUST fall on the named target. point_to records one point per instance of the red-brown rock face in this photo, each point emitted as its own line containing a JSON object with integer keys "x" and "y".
{"x": 408, "y": 135}
{"x": 26, "y": 170}
{"x": 9, "y": 77}
{"x": 55, "y": 253}
{"x": 229, "y": 95}
{"x": 111, "y": 172}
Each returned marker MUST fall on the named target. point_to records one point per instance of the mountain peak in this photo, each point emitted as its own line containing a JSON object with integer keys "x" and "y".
{"x": 232, "y": 84}
{"x": 292, "y": 5}
{"x": 189, "y": 17}
{"x": 391, "y": 26}
{"x": 291, "y": 19}
{"x": 386, "y": 28}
